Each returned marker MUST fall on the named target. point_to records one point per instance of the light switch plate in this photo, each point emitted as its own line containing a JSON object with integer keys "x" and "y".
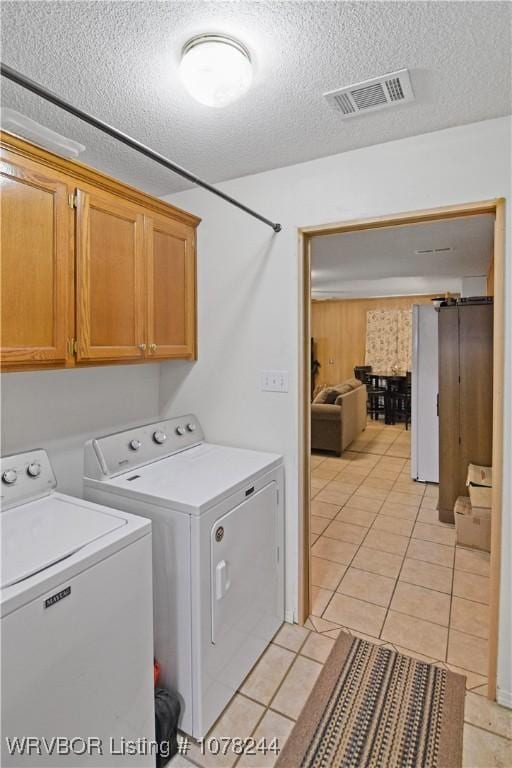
{"x": 274, "y": 381}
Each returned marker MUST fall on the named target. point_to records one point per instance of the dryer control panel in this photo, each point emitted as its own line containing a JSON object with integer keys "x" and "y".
{"x": 24, "y": 477}
{"x": 113, "y": 454}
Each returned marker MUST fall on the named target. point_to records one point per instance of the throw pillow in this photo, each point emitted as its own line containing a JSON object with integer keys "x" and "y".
{"x": 326, "y": 397}
{"x": 353, "y": 383}
{"x": 332, "y": 394}
{"x": 321, "y": 397}
{"x": 344, "y": 388}
{"x": 317, "y": 390}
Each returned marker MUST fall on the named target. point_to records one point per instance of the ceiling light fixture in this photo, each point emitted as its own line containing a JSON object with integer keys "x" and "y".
{"x": 215, "y": 69}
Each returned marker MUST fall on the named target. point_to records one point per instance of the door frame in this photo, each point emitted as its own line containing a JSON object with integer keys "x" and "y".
{"x": 497, "y": 208}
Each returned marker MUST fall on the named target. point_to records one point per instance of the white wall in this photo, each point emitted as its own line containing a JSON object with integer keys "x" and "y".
{"x": 388, "y": 286}
{"x": 60, "y": 410}
{"x": 474, "y": 286}
{"x": 249, "y": 289}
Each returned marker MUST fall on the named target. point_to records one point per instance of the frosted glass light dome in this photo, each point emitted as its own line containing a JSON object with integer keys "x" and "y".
{"x": 215, "y": 69}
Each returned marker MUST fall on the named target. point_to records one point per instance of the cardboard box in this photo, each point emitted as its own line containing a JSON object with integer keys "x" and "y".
{"x": 472, "y": 525}
{"x": 479, "y": 483}
{"x": 480, "y": 496}
{"x": 478, "y": 475}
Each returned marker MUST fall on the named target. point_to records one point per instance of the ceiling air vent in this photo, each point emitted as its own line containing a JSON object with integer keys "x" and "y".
{"x": 378, "y": 93}
{"x": 445, "y": 249}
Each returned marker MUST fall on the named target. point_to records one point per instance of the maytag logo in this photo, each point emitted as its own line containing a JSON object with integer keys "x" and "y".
{"x": 57, "y": 597}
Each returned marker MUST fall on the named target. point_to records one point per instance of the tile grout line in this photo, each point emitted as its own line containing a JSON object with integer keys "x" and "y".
{"x": 450, "y": 614}
{"x": 352, "y": 559}
{"x": 396, "y": 582}
{"x": 348, "y": 565}
{"x": 396, "y": 554}
{"x": 370, "y": 528}
{"x": 267, "y": 707}
{"x": 407, "y": 555}
{"x": 486, "y": 730}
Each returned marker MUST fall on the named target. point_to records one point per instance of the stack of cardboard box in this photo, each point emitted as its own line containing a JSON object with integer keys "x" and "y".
{"x": 473, "y": 512}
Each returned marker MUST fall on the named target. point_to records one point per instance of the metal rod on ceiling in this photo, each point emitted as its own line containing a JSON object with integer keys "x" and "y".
{"x": 44, "y": 93}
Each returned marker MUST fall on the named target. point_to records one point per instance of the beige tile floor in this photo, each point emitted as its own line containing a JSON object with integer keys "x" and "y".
{"x": 383, "y": 569}
{"x": 382, "y": 563}
{"x": 276, "y": 690}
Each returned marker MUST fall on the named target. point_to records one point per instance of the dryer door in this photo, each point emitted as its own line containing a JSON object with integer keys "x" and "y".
{"x": 245, "y": 568}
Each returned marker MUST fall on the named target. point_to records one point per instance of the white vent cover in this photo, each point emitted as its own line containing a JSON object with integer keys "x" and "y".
{"x": 444, "y": 249}
{"x": 378, "y": 93}
{"x": 21, "y": 125}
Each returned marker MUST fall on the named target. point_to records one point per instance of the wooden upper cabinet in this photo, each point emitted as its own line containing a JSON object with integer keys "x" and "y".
{"x": 110, "y": 278}
{"x": 93, "y": 271}
{"x": 171, "y": 287}
{"x": 37, "y": 264}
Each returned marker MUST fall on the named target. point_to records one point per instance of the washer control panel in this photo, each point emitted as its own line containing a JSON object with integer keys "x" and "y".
{"x": 123, "y": 451}
{"x": 25, "y": 476}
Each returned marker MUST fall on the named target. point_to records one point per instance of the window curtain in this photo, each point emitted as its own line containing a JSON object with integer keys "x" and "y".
{"x": 404, "y": 340}
{"x": 389, "y": 339}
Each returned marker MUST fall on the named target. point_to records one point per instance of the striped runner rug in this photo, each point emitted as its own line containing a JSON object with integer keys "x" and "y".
{"x": 373, "y": 707}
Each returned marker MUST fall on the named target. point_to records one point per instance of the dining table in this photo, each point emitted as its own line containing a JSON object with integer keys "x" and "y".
{"x": 380, "y": 378}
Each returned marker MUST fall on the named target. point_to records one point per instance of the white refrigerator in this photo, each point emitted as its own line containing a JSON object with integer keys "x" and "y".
{"x": 424, "y": 406}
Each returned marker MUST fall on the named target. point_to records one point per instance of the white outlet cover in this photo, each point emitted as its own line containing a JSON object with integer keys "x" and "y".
{"x": 274, "y": 381}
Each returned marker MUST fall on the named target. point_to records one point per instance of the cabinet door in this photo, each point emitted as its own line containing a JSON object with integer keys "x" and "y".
{"x": 37, "y": 264}
{"x": 171, "y": 261}
{"x": 110, "y": 278}
{"x": 452, "y": 475}
{"x": 476, "y": 377}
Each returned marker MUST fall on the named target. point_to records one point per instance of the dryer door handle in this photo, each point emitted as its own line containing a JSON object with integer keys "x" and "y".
{"x": 222, "y": 579}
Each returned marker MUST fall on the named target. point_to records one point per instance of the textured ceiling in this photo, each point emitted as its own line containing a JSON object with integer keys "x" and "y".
{"x": 119, "y": 61}
{"x": 383, "y": 261}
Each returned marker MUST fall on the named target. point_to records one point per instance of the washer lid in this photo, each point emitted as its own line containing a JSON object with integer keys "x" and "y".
{"x": 40, "y": 533}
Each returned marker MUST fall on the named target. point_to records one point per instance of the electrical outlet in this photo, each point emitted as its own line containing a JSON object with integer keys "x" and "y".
{"x": 274, "y": 381}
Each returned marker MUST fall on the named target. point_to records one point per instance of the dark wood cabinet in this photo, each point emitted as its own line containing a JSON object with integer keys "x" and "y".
{"x": 465, "y": 398}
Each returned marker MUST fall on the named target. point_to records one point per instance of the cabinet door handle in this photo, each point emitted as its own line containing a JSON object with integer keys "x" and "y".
{"x": 142, "y": 347}
{"x": 152, "y": 347}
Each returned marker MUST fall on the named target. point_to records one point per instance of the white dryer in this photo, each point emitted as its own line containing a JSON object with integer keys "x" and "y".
{"x": 76, "y": 623}
{"x": 218, "y": 576}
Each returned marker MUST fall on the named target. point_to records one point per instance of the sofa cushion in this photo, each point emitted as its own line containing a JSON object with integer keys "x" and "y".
{"x": 353, "y": 383}
{"x": 347, "y": 386}
{"x": 331, "y": 393}
{"x": 326, "y": 395}
{"x": 317, "y": 392}
{"x": 325, "y": 412}
{"x": 321, "y": 396}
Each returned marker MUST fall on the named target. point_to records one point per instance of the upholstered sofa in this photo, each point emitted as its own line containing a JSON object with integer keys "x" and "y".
{"x": 338, "y": 416}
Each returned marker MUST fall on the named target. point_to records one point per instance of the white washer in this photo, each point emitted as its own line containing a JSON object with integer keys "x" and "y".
{"x": 76, "y": 622}
{"x": 217, "y": 515}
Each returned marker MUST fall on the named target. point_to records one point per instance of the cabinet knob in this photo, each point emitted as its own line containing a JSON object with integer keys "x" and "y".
{"x": 152, "y": 347}
{"x": 142, "y": 347}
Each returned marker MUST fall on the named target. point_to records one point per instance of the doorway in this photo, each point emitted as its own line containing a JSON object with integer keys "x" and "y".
{"x": 495, "y": 278}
